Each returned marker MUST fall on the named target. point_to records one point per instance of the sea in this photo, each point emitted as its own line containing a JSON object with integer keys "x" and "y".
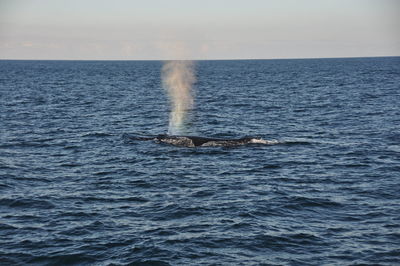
{"x": 76, "y": 189}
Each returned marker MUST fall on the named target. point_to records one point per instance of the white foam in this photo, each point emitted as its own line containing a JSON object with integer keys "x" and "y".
{"x": 263, "y": 141}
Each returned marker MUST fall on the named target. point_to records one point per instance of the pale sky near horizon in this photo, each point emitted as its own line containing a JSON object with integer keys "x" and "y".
{"x": 206, "y": 29}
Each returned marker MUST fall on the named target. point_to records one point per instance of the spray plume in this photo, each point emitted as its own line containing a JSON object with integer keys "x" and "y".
{"x": 178, "y": 79}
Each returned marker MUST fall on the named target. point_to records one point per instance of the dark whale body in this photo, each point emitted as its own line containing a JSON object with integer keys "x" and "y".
{"x": 194, "y": 141}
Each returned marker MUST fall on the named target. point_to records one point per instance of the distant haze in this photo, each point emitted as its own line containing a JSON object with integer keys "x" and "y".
{"x": 206, "y": 29}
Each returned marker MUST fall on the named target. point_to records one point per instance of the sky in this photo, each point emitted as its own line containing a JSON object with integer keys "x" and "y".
{"x": 192, "y": 29}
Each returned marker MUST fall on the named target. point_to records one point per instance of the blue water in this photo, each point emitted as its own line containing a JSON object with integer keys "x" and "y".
{"x": 75, "y": 190}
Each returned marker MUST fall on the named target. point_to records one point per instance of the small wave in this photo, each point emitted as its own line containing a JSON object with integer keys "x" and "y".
{"x": 149, "y": 263}
{"x": 303, "y": 202}
{"x": 7, "y": 227}
{"x": 97, "y": 134}
{"x": 70, "y": 259}
{"x": 271, "y": 166}
{"x": 70, "y": 165}
{"x": 110, "y": 200}
{"x": 25, "y": 144}
{"x": 26, "y": 203}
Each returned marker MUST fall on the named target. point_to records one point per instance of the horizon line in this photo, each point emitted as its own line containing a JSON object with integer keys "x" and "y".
{"x": 225, "y": 59}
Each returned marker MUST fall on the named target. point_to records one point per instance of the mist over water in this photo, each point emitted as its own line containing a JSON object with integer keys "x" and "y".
{"x": 178, "y": 78}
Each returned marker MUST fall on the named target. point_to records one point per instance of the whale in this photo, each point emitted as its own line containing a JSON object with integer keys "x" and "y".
{"x": 196, "y": 141}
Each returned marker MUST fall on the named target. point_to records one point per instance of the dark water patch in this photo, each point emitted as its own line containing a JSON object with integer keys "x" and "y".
{"x": 303, "y": 202}
{"x": 25, "y": 144}
{"x": 70, "y": 165}
{"x": 6, "y": 227}
{"x": 389, "y": 168}
{"x": 351, "y": 165}
{"x": 271, "y": 166}
{"x": 14, "y": 258}
{"x": 34, "y": 179}
{"x": 141, "y": 183}
{"x": 104, "y": 173}
{"x": 67, "y": 259}
{"x": 5, "y": 186}
{"x": 114, "y": 199}
{"x": 78, "y": 214}
{"x": 71, "y": 147}
{"x": 149, "y": 262}
{"x": 300, "y": 240}
{"x": 173, "y": 212}
{"x": 98, "y": 135}
{"x": 77, "y": 231}
{"x": 26, "y": 203}
{"x": 162, "y": 232}
{"x": 203, "y": 193}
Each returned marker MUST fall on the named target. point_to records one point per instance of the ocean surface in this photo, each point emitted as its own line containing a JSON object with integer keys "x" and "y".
{"x": 75, "y": 189}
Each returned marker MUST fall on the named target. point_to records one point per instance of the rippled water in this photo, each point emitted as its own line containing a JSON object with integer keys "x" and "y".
{"x": 74, "y": 190}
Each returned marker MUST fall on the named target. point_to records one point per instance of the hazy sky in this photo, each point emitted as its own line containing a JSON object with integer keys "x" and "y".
{"x": 198, "y": 29}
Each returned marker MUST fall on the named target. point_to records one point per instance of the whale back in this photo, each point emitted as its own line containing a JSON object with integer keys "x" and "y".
{"x": 195, "y": 141}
